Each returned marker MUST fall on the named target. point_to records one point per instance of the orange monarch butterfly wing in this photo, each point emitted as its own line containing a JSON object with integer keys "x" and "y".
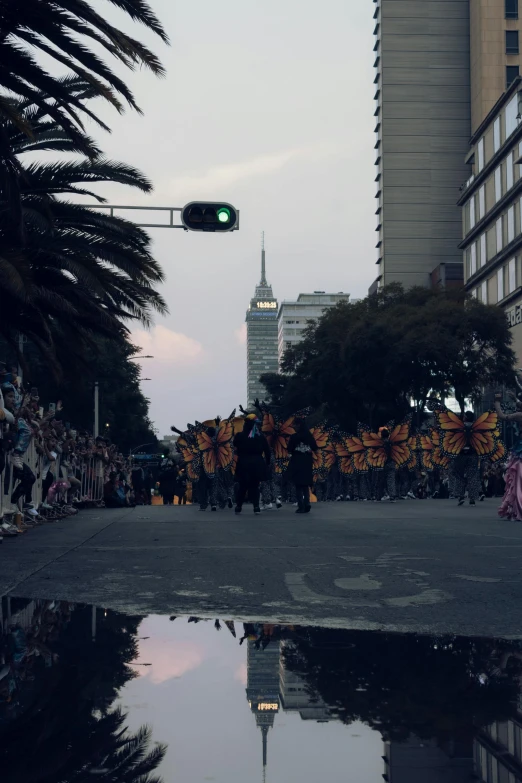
{"x": 210, "y": 463}
{"x": 321, "y": 436}
{"x": 447, "y": 420}
{"x": 401, "y": 433}
{"x": 356, "y": 448}
{"x": 375, "y": 453}
{"x": 344, "y": 456}
{"x": 453, "y": 442}
{"x": 225, "y": 432}
{"x": 268, "y": 427}
{"x": 204, "y": 441}
{"x": 484, "y": 431}
{"x": 400, "y": 454}
{"x": 499, "y": 453}
{"x": 287, "y": 428}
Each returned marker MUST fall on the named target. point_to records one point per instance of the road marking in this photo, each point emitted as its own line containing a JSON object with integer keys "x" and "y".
{"x": 426, "y": 598}
{"x": 300, "y": 592}
{"x": 363, "y": 582}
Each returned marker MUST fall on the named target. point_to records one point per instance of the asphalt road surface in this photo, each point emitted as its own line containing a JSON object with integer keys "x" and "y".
{"x": 425, "y": 566}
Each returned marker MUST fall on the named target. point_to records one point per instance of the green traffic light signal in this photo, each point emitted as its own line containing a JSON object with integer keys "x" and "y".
{"x": 223, "y": 215}
{"x": 209, "y": 216}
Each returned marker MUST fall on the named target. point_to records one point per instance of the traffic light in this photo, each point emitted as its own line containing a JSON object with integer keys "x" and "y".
{"x": 209, "y": 216}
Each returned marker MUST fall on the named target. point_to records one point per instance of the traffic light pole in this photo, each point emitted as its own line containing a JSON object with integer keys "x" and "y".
{"x": 162, "y": 210}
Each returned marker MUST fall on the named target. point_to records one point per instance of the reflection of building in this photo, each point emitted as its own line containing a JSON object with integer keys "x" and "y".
{"x": 263, "y": 687}
{"x": 296, "y": 696}
{"x": 261, "y": 321}
{"x": 498, "y": 752}
{"x": 293, "y": 317}
{"x": 423, "y": 761}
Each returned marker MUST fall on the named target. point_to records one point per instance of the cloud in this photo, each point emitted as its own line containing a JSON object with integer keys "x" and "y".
{"x": 241, "y": 334}
{"x": 168, "y": 346}
{"x": 241, "y": 673}
{"x": 170, "y": 659}
{"x": 217, "y": 178}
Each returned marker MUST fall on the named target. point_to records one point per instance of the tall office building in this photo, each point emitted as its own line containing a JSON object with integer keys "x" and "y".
{"x": 294, "y": 317}
{"x": 263, "y": 688}
{"x": 495, "y": 53}
{"x": 424, "y": 760}
{"x": 423, "y": 126}
{"x": 261, "y": 321}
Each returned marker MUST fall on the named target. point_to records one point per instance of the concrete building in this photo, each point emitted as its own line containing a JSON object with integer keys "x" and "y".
{"x": 492, "y": 211}
{"x": 261, "y": 321}
{"x": 498, "y": 752}
{"x": 495, "y": 53}
{"x": 294, "y": 317}
{"x": 423, "y": 125}
{"x": 419, "y": 760}
{"x": 296, "y": 695}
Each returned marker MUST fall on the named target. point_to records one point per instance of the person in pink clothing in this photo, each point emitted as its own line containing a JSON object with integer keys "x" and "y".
{"x": 511, "y": 506}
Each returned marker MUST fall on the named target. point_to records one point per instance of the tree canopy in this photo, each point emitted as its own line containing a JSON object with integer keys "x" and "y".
{"x": 368, "y": 361}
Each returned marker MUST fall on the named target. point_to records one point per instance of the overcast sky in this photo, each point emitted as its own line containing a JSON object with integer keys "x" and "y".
{"x": 268, "y": 105}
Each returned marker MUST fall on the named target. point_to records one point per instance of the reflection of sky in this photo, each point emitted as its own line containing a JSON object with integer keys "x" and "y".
{"x": 194, "y": 697}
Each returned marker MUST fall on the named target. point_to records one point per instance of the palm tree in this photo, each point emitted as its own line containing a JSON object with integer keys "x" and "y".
{"x": 63, "y": 30}
{"x": 77, "y": 272}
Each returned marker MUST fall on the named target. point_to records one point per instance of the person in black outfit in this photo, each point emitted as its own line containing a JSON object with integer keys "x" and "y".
{"x": 167, "y": 483}
{"x": 300, "y": 470}
{"x": 253, "y": 461}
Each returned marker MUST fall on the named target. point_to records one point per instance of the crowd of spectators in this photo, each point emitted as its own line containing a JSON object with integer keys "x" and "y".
{"x": 48, "y": 469}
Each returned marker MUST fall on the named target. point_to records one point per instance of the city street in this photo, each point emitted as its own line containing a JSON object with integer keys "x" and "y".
{"x": 425, "y": 566}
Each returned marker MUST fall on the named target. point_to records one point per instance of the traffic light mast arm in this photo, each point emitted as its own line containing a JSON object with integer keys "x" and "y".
{"x": 170, "y": 210}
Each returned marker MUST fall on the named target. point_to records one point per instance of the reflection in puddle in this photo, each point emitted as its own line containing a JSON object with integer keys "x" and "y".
{"x": 86, "y": 691}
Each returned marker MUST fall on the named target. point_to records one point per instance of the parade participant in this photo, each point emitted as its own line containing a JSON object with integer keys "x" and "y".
{"x": 253, "y": 460}
{"x": 167, "y": 483}
{"x": 511, "y": 506}
{"x": 301, "y": 446}
{"x": 466, "y": 440}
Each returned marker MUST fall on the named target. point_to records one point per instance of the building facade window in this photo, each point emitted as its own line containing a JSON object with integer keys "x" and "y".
{"x": 511, "y": 224}
{"x": 472, "y": 217}
{"x": 496, "y": 135}
{"x": 512, "y": 46}
{"x": 498, "y": 229}
{"x": 482, "y": 202}
{"x": 481, "y": 154}
{"x": 511, "y": 8}
{"x": 498, "y": 183}
{"x": 484, "y": 292}
{"x": 512, "y": 72}
{"x": 509, "y": 171}
{"x": 512, "y": 275}
{"x": 473, "y": 259}
{"x": 500, "y": 284}
{"x": 483, "y": 250}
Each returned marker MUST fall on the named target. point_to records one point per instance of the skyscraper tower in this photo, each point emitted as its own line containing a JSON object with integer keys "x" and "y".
{"x": 261, "y": 321}
{"x": 263, "y": 688}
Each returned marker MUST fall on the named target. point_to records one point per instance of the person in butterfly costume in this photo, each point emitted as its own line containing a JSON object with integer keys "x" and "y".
{"x": 511, "y": 506}
{"x": 386, "y": 451}
{"x": 465, "y": 440}
{"x": 215, "y": 445}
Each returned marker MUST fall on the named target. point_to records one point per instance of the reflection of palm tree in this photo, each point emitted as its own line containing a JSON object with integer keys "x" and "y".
{"x": 121, "y": 756}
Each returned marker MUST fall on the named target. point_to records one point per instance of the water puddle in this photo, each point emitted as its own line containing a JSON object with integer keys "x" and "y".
{"x": 90, "y": 694}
